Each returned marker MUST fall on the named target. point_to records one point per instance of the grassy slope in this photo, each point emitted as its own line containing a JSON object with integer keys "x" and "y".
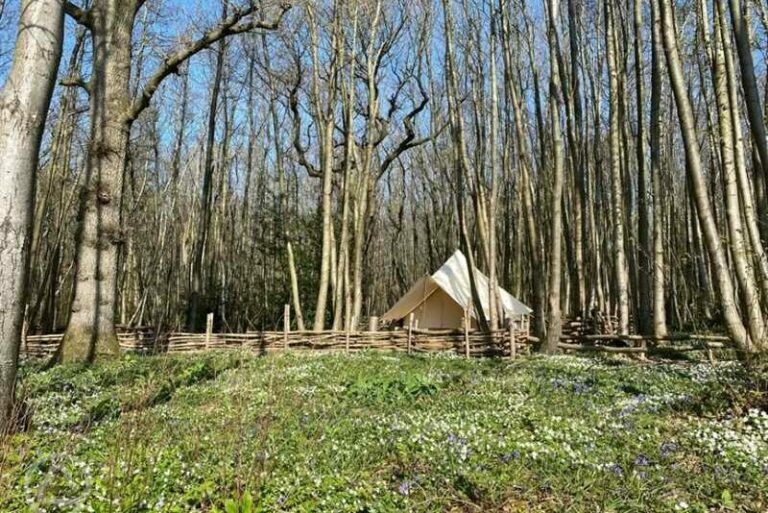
{"x": 374, "y": 432}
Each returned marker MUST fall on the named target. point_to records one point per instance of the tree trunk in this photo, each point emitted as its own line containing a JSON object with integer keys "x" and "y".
{"x": 696, "y": 180}
{"x": 195, "y": 316}
{"x": 621, "y": 274}
{"x": 91, "y": 332}
{"x": 659, "y": 306}
{"x": 751, "y": 94}
{"x": 554, "y": 328}
{"x": 24, "y": 103}
{"x": 744, "y": 269}
{"x": 644, "y": 317}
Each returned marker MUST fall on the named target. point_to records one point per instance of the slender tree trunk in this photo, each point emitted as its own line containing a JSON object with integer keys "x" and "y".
{"x": 696, "y": 180}
{"x": 495, "y": 312}
{"x": 749, "y": 82}
{"x": 744, "y": 273}
{"x": 462, "y": 163}
{"x": 197, "y": 289}
{"x": 645, "y": 319}
{"x": 659, "y": 305}
{"x": 554, "y": 328}
{"x": 620, "y": 270}
{"x": 745, "y": 185}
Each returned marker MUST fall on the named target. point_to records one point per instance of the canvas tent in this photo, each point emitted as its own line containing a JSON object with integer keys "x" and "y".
{"x": 440, "y": 300}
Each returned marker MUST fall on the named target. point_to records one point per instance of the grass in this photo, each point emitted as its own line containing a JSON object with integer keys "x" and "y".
{"x": 379, "y": 433}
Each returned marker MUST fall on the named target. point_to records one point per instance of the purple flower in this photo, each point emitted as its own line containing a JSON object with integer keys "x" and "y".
{"x": 628, "y": 409}
{"x": 616, "y": 469}
{"x": 405, "y": 487}
{"x": 453, "y": 439}
{"x": 557, "y": 383}
{"x": 580, "y": 388}
{"x": 667, "y": 448}
{"x": 282, "y": 500}
{"x": 642, "y": 475}
{"x": 514, "y": 455}
{"x": 642, "y": 460}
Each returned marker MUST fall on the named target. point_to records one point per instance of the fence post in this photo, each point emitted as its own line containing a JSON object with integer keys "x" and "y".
{"x": 208, "y": 330}
{"x": 466, "y": 322}
{"x": 410, "y": 331}
{"x": 286, "y": 325}
{"x": 512, "y": 340}
{"x": 373, "y": 323}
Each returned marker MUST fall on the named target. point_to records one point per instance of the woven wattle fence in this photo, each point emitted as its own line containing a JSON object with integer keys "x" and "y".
{"x": 503, "y": 343}
{"x": 476, "y": 343}
{"x": 140, "y": 340}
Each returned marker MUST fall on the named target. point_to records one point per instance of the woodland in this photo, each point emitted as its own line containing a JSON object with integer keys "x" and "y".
{"x": 165, "y": 160}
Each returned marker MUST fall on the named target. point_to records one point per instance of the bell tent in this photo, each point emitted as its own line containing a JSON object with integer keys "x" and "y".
{"x": 439, "y": 301}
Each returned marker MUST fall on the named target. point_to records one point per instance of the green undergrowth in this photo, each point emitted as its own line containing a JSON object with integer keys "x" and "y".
{"x": 232, "y": 432}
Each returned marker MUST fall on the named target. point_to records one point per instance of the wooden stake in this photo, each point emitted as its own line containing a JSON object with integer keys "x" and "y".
{"x": 410, "y": 331}
{"x": 286, "y": 325}
{"x": 512, "y": 340}
{"x": 466, "y": 322}
{"x": 208, "y": 330}
{"x": 346, "y": 337}
{"x": 373, "y": 323}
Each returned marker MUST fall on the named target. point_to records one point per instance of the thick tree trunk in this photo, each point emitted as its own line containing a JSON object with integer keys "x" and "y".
{"x": 24, "y": 103}
{"x": 91, "y": 332}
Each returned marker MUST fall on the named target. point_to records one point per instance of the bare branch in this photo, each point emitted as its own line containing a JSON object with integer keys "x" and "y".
{"x": 233, "y": 24}
{"x": 77, "y": 13}
{"x": 301, "y": 151}
{"x": 76, "y": 81}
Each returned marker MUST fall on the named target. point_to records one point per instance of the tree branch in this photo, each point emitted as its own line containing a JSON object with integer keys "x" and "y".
{"x": 233, "y": 24}
{"x": 77, "y": 13}
{"x": 409, "y": 141}
{"x": 76, "y": 81}
{"x": 301, "y": 151}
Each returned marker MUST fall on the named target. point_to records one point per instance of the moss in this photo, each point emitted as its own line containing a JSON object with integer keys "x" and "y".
{"x": 83, "y": 345}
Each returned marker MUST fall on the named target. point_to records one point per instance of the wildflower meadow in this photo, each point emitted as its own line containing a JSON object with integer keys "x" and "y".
{"x": 232, "y": 432}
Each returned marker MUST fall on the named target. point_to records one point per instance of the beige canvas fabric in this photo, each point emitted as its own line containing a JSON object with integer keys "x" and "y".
{"x": 440, "y": 300}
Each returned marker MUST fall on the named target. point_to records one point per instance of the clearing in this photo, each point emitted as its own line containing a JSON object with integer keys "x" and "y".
{"x": 369, "y": 432}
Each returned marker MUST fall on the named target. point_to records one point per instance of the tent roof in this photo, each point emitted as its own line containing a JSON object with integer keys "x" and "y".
{"x": 453, "y": 278}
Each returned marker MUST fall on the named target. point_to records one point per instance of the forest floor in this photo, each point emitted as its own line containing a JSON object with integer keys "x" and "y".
{"x": 371, "y": 432}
